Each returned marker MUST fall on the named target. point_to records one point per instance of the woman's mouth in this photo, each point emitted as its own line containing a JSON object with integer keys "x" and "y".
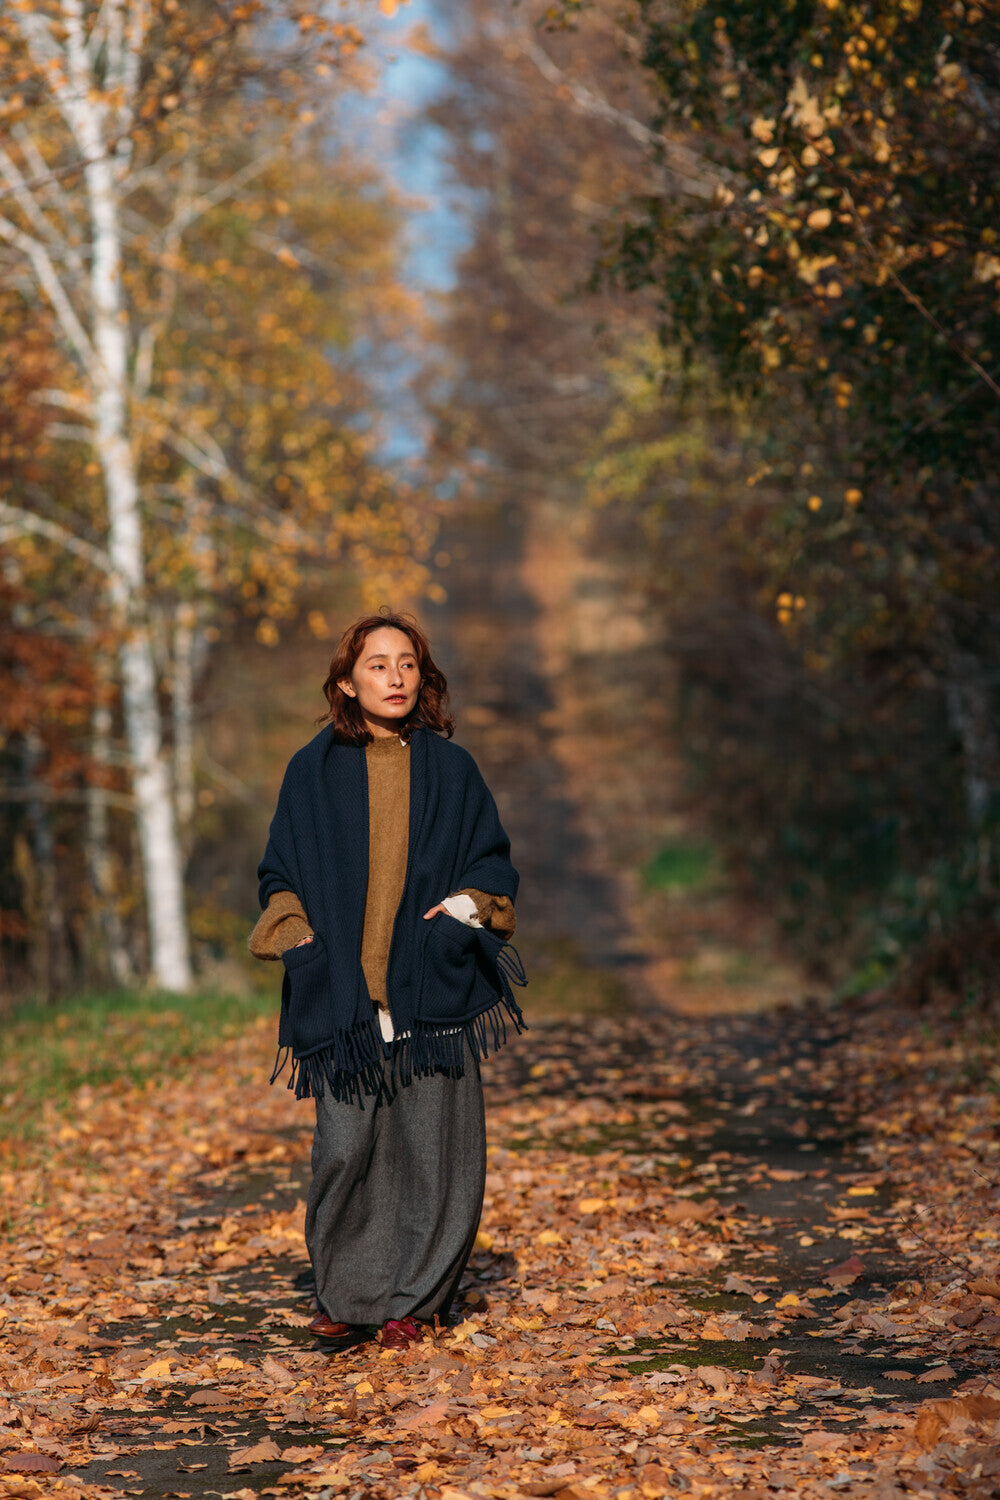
{"x": 396, "y": 698}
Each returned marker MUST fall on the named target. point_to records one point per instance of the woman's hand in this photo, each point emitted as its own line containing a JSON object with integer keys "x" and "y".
{"x": 302, "y": 941}
{"x": 435, "y": 910}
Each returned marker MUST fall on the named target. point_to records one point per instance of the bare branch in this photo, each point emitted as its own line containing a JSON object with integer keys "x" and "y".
{"x": 692, "y": 173}
{"x": 50, "y": 284}
{"x": 135, "y": 37}
{"x": 68, "y": 400}
{"x": 919, "y": 306}
{"x": 197, "y": 207}
{"x": 69, "y": 795}
{"x": 11, "y": 174}
{"x": 167, "y": 291}
{"x": 45, "y": 177}
{"x": 57, "y": 173}
{"x": 14, "y": 521}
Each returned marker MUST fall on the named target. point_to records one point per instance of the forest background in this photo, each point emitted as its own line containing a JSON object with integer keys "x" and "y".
{"x": 713, "y": 377}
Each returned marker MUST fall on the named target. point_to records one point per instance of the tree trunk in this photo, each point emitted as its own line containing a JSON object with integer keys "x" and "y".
{"x": 151, "y": 787}
{"x": 182, "y": 699}
{"x": 972, "y": 713}
{"x": 100, "y": 871}
{"x": 48, "y": 940}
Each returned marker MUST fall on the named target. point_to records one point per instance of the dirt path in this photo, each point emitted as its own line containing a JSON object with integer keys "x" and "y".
{"x": 572, "y": 905}
{"x": 699, "y": 1269}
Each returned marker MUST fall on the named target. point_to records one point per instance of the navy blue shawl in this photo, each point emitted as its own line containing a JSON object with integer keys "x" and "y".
{"x": 445, "y": 981}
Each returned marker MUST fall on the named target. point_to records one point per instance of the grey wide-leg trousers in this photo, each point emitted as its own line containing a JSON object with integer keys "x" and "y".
{"x": 395, "y": 1198}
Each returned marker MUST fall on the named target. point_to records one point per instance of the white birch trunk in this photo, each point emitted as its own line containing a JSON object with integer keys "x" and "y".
{"x": 151, "y": 786}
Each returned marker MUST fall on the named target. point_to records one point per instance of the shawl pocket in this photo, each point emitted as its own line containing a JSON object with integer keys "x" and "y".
{"x": 460, "y": 978}
{"x": 307, "y": 978}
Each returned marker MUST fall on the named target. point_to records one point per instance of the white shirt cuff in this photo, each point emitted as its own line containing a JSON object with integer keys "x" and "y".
{"x": 463, "y": 908}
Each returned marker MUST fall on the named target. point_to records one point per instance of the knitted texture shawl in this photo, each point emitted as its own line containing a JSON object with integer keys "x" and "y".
{"x": 445, "y": 982}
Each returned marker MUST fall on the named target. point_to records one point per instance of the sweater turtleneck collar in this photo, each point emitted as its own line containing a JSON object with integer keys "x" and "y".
{"x": 386, "y": 745}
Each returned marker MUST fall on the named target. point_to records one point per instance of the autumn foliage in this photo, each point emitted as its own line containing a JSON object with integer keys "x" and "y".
{"x": 188, "y": 441}
{"x": 778, "y": 405}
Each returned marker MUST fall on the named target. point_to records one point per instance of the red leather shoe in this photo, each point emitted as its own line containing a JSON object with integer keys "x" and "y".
{"x": 325, "y": 1328}
{"x": 399, "y": 1333}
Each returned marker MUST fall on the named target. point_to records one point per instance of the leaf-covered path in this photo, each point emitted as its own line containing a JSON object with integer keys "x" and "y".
{"x": 726, "y": 1256}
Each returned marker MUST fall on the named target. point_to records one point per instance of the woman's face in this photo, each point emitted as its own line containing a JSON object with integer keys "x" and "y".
{"x": 385, "y": 680}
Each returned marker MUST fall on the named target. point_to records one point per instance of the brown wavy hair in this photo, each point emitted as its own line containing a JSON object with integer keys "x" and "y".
{"x": 344, "y": 713}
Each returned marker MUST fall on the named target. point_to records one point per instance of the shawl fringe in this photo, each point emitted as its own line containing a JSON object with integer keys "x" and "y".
{"x": 350, "y": 1065}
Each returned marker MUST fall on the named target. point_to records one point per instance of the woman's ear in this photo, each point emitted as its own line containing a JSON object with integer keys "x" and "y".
{"x": 346, "y": 686}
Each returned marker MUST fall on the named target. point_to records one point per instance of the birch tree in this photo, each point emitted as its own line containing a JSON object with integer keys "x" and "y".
{"x": 118, "y": 150}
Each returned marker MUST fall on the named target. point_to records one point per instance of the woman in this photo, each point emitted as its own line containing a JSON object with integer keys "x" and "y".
{"x": 388, "y": 894}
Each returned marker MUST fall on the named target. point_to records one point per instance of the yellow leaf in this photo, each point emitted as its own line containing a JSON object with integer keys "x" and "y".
{"x": 550, "y": 1237}
{"x": 229, "y": 1362}
{"x": 768, "y": 156}
{"x": 591, "y": 1205}
{"x": 819, "y": 218}
{"x": 649, "y": 1415}
{"x": 158, "y": 1370}
{"x": 865, "y": 1191}
{"x": 789, "y": 1300}
{"x": 484, "y": 1241}
{"x": 462, "y": 1330}
{"x": 763, "y": 129}
{"x": 364, "y": 1388}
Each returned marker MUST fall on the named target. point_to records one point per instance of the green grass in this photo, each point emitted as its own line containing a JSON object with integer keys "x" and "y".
{"x": 48, "y": 1052}
{"x": 562, "y": 982}
{"x": 682, "y": 866}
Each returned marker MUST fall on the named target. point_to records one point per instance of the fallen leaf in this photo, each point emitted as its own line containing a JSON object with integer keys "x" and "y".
{"x": 158, "y": 1370}
{"x": 847, "y": 1271}
{"x": 209, "y": 1397}
{"x": 425, "y": 1416}
{"x": 31, "y": 1463}
{"x": 739, "y": 1284}
{"x": 938, "y": 1372}
{"x": 303, "y": 1455}
{"x": 985, "y": 1286}
{"x": 823, "y": 1442}
{"x": 770, "y": 1373}
{"x": 264, "y": 1452}
{"x": 276, "y": 1371}
{"x": 930, "y": 1425}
